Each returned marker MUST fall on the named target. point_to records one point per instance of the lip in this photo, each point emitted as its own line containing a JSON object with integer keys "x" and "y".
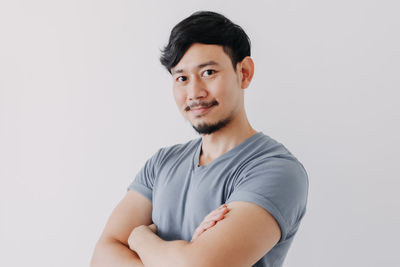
{"x": 200, "y": 110}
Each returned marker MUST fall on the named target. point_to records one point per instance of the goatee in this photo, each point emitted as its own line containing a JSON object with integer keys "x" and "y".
{"x": 207, "y": 128}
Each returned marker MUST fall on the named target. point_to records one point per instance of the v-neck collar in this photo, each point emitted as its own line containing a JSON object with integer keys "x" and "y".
{"x": 227, "y": 154}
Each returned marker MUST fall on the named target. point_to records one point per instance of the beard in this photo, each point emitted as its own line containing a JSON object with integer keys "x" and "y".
{"x": 209, "y": 128}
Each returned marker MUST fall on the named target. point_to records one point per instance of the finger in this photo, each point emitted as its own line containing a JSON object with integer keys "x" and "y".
{"x": 221, "y": 212}
{"x": 218, "y": 216}
{"x": 205, "y": 226}
{"x": 216, "y": 212}
{"x": 209, "y": 224}
{"x": 153, "y": 228}
{"x": 213, "y": 221}
{"x": 223, "y": 206}
{"x": 218, "y": 209}
{"x": 210, "y": 220}
{"x": 197, "y": 233}
{"x": 202, "y": 228}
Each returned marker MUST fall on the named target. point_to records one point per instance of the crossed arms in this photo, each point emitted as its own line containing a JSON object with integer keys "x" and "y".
{"x": 246, "y": 234}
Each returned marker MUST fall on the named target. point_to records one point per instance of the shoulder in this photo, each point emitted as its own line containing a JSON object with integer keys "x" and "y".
{"x": 175, "y": 152}
{"x": 266, "y": 151}
{"x": 274, "y": 178}
{"x": 273, "y": 162}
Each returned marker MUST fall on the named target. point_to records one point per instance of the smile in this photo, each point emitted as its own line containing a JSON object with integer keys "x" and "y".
{"x": 200, "y": 110}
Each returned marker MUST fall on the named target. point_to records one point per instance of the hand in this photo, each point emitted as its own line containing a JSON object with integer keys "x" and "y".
{"x": 138, "y": 229}
{"x": 153, "y": 228}
{"x": 210, "y": 220}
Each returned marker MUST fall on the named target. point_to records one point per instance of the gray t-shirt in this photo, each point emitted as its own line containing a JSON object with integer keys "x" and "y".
{"x": 259, "y": 170}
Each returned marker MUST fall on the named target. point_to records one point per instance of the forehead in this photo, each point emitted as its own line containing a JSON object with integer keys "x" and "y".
{"x": 199, "y": 54}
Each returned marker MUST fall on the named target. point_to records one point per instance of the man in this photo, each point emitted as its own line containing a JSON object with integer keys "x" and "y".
{"x": 234, "y": 197}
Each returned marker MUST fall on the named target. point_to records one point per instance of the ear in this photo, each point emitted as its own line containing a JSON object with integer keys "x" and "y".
{"x": 246, "y": 69}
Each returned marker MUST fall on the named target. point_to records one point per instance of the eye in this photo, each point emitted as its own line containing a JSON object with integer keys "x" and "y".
{"x": 181, "y": 78}
{"x": 208, "y": 72}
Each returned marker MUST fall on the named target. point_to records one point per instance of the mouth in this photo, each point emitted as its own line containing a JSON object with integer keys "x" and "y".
{"x": 199, "y": 109}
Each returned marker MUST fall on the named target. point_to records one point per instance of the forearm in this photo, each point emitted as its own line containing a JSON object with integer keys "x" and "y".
{"x": 113, "y": 253}
{"x": 155, "y": 252}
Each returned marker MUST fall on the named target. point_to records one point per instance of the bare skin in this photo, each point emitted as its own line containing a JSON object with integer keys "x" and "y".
{"x": 209, "y": 221}
{"x": 204, "y": 75}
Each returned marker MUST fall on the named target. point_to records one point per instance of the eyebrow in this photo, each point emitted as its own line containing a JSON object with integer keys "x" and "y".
{"x": 200, "y": 66}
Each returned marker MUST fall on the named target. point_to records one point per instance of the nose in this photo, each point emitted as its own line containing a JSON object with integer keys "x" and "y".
{"x": 196, "y": 89}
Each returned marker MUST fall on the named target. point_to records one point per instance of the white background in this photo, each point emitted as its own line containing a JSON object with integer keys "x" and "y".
{"x": 84, "y": 102}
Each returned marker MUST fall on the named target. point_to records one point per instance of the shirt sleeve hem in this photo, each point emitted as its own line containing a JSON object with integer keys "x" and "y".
{"x": 145, "y": 191}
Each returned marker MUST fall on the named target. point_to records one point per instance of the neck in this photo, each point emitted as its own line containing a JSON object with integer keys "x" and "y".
{"x": 223, "y": 140}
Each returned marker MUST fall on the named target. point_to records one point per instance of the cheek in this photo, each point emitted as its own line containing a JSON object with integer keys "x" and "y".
{"x": 179, "y": 97}
{"x": 229, "y": 96}
{"x": 224, "y": 91}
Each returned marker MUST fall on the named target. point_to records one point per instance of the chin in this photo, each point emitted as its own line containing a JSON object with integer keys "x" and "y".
{"x": 210, "y": 127}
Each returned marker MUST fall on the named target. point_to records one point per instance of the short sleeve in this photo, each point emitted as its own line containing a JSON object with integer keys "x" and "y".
{"x": 280, "y": 186}
{"x": 144, "y": 180}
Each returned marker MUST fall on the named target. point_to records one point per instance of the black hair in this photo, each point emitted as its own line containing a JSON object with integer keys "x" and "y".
{"x": 205, "y": 27}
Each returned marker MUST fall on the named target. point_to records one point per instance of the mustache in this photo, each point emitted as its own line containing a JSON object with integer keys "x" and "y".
{"x": 201, "y": 104}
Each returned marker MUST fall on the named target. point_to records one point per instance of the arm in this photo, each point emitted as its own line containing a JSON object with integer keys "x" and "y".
{"x": 112, "y": 248}
{"x": 167, "y": 251}
{"x": 246, "y": 234}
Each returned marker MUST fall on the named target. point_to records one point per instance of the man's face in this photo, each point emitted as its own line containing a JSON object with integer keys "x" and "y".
{"x": 207, "y": 89}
